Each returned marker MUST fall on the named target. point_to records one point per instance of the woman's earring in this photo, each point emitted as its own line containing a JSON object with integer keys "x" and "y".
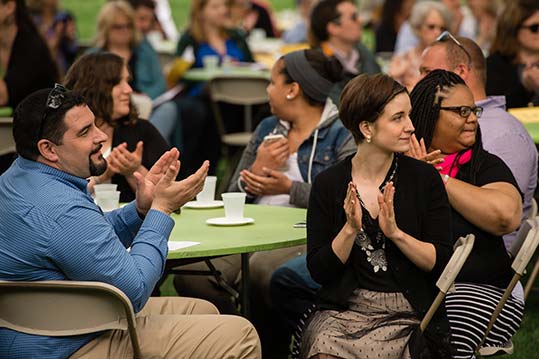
{"x": 368, "y": 140}
{"x": 289, "y": 97}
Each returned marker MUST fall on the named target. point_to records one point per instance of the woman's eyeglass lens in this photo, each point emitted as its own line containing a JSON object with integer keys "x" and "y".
{"x": 465, "y": 111}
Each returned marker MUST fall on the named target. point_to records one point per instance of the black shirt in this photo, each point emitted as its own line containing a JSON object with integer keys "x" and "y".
{"x": 154, "y": 146}
{"x": 30, "y": 66}
{"x": 488, "y": 262}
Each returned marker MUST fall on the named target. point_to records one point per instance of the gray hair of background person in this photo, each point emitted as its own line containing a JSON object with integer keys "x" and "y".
{"x": 422, "y": 9}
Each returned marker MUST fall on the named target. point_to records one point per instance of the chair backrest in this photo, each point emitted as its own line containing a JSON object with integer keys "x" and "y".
{"x": 461, "y": 250}
{"x": 239, "y": 90}
{"x": 523, "y": 257}
{"x": 533, "y": 211}
{"x": 65, "y": 308}
{"x": 528, "y": 246}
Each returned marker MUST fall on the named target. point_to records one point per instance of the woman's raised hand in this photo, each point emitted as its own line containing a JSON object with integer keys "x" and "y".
{"x": 125, "y": 162}
{"x": 386, "y": 214}
{"x": 271, "y": 154}
{"x": 419, "y": 152}
{"x": 352, "y": 208}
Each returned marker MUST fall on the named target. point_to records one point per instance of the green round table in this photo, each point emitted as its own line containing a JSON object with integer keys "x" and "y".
{"x": 273, "y": 228}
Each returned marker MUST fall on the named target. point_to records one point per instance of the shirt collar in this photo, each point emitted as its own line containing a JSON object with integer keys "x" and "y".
{"x": 80, "y": 183}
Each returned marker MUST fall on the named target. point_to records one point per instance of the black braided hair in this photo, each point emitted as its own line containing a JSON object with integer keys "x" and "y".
{"x": 426, "y": 98}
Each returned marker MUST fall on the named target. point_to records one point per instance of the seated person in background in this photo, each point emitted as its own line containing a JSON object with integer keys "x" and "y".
{"x": 253, "y": 14}
{"x": 513, "y": 63}
{"x": 463, "y": 23}
{"x": 378, "y": 237}
{"x": 59, "y": 30}
{"x": 208, "y": 34}
{"x": 394, "y": 13}
{"x": 298, "y": 32}
{"x": 132, "y": 145}
{"x": 20, "y": 73}
{"x": 485, "y": 201}
{"x": 336, "y": 29}
{"x": 280, "y": 172}
{"x": 51, "y": 229}
{"x": 428, "y": 20}
{"x": 145, "y": 20}
{"x": 116, "y": 33}
{"x": 501, "y": 133}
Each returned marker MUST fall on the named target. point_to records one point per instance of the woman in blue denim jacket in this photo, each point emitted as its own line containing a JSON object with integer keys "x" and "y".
{"x": 304, "y": 137}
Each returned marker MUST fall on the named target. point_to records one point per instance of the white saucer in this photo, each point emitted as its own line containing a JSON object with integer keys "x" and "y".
{"x": 197, "y": 204}
{"x": 223, "y": 221}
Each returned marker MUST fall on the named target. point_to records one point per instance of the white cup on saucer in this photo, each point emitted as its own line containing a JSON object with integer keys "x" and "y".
{"x": 207, "y": 195}
{"x": 108, "y": 200}
{"x": 234, "y": 204}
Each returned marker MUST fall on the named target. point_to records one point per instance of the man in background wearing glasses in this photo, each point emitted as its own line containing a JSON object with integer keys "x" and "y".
{"x": 502, "y": 134}
{"x": 335, "y": 27}
{"x": 50, "y": 229}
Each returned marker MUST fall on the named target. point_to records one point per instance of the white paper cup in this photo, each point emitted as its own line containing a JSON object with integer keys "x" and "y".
{"x": 234, "y": 204}
{"x": 108, "y": 200}
{"x": 207, "y": 195}
{"x": 210, "y": 62}
{"x": 105, "y": 187}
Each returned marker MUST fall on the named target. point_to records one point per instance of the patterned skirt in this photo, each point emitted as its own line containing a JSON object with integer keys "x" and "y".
{"x": 376, "y": 325}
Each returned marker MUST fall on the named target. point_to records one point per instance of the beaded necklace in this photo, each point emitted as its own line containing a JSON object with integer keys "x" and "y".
{"x": 374, "y": 249}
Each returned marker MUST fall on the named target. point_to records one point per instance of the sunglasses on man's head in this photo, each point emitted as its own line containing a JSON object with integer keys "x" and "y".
{"x": 534, "y": 28}
{"x": 464, "y": 111}
{"x": 55, "y": 99}
{"x": 446, "y": 35}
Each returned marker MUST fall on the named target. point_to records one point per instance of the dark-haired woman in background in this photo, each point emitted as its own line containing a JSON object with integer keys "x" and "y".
{"x": 378, "y": 237}
{"x": 133, "y": 145}
{"x": 513, "y": 64}
{"x": 485, "y": 201}
{"x": 20, "y": 46}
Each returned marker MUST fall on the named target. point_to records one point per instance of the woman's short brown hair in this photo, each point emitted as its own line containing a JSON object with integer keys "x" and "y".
{"x": 94, "y": 75}
{"x": 364, "y": 99}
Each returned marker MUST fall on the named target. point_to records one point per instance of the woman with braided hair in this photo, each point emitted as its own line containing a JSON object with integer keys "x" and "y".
{"x": 485, "y": 201}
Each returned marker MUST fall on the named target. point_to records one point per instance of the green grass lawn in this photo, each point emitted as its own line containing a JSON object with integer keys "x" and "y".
{"x": 86, "y": 12}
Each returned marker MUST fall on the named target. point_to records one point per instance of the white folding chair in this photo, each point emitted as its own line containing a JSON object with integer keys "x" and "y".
{"x": 461, "y": 251}
{"x": 524, "y": 254}
{"x": 237, "y": 90}
{"x": 65, "y": 308}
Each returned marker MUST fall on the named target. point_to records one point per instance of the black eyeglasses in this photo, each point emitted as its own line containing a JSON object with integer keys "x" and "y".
{"x": 534, "y": 28}
{"x": 447, "y": 35}
{"x": 55, "y": 99}
{"x": 465, "y": 111}
{"x": 353, "y": 17}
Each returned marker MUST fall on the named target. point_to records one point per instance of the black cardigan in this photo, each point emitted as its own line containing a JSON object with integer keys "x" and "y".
{"x": 421, "y": 209}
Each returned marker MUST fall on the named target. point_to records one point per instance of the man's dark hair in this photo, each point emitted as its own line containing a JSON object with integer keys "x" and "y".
{"x": 322, "y": 14}
{"x": 32, "y": 117}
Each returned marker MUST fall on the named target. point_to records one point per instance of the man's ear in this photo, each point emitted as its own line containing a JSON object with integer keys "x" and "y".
{"x": 47, "y": 150}
{"x": 463, "y": 70}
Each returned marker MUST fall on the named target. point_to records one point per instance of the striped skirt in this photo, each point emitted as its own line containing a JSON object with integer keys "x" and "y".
{"x": 469, "y": 309}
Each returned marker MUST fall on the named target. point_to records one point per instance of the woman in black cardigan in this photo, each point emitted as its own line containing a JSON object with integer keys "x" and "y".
{"x": 377, "y": 256}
